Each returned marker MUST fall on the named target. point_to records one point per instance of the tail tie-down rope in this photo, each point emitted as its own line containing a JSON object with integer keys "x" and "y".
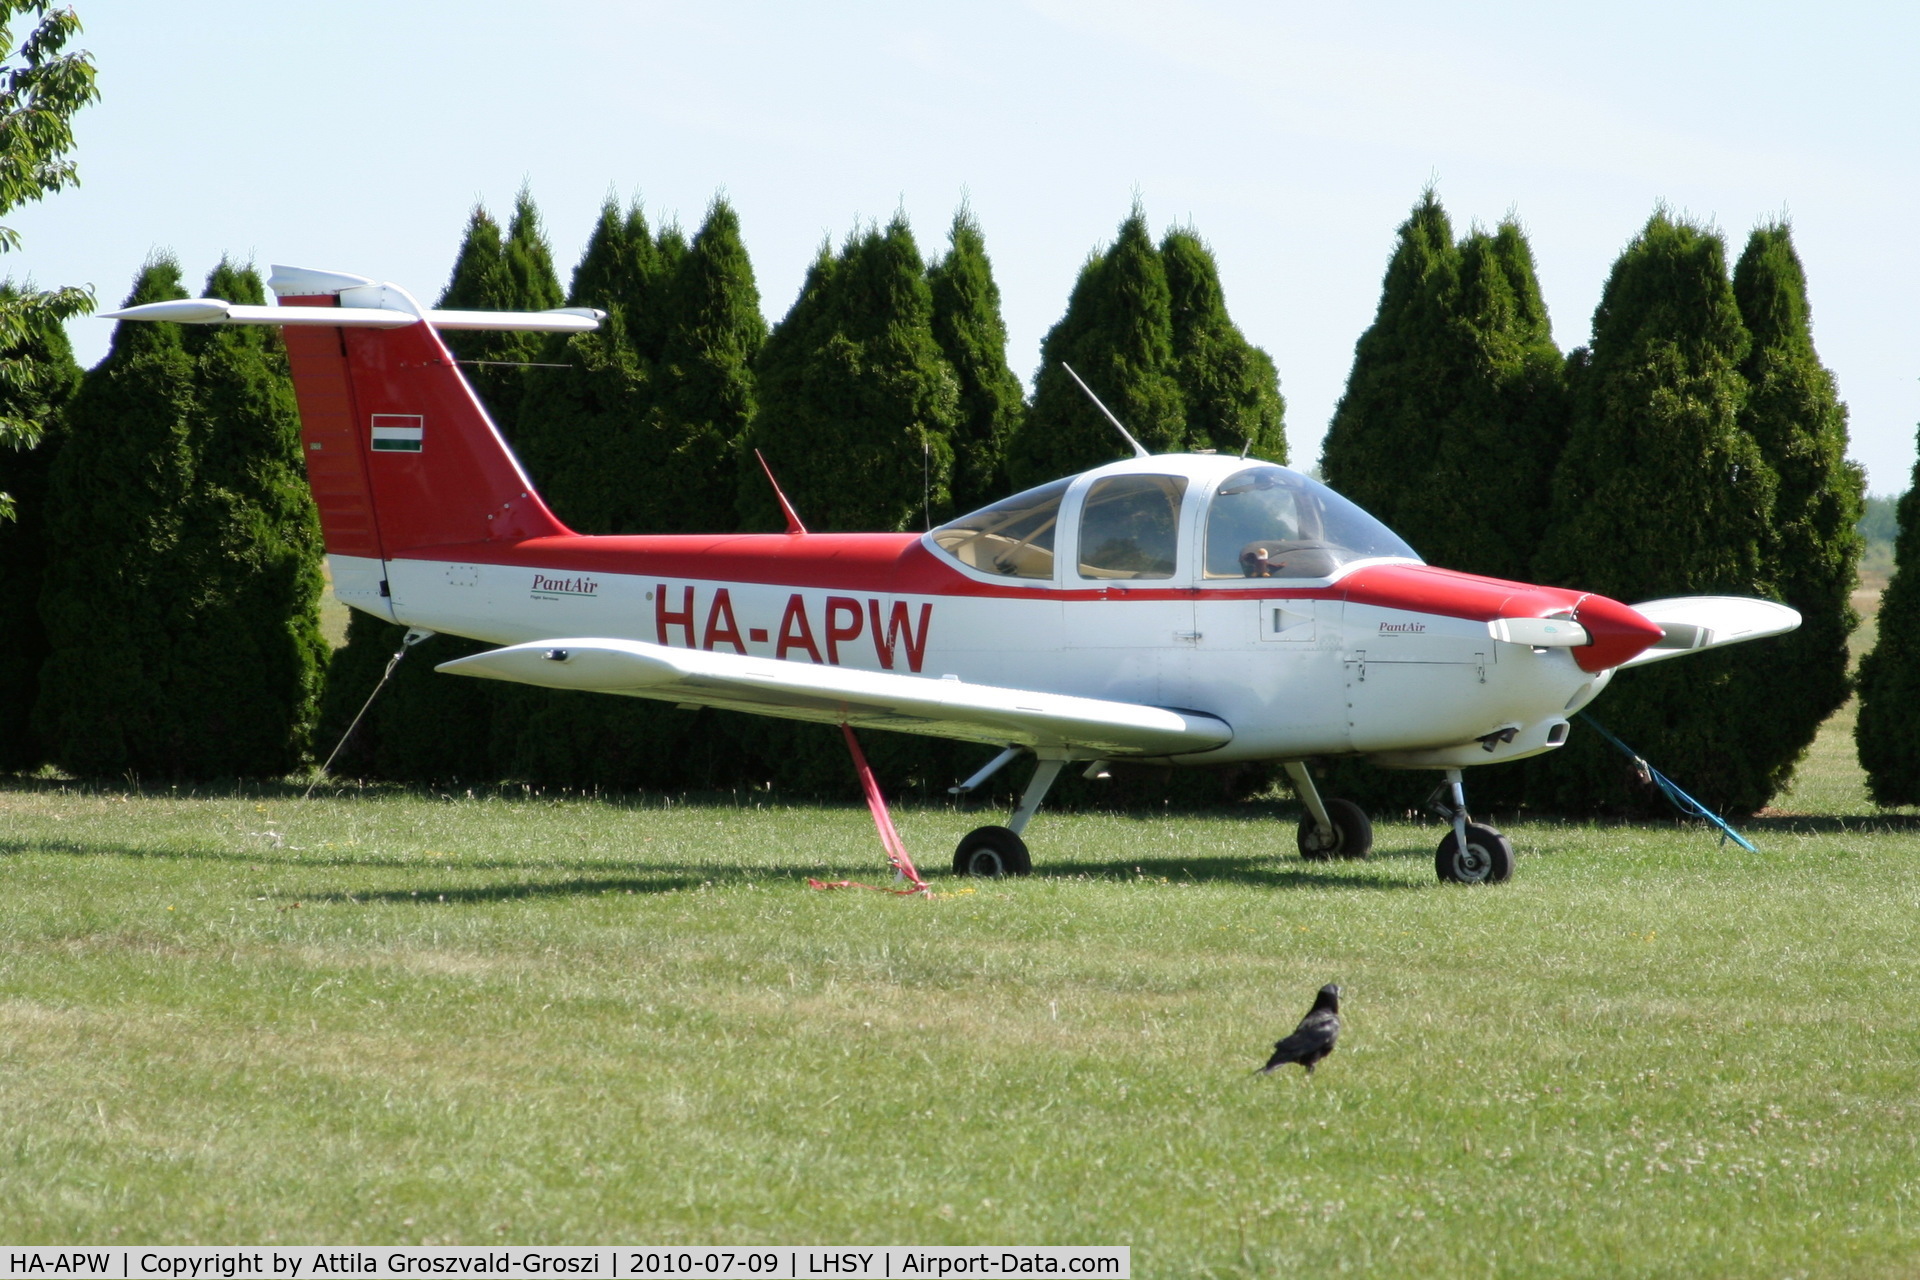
{"x": 413, "y": 637}
{"x": 1686, "y": 804}
{"x": 883, "y": 822}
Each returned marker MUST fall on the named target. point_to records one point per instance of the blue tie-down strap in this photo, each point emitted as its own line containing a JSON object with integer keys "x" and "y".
{"x": 1686, "y": 804}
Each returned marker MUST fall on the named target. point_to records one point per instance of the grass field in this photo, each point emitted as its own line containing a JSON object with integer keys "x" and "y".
{"x": 378, "y": 1018}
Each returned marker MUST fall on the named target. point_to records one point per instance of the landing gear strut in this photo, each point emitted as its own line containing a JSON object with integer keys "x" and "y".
{"x": 999, "y": 851}
{"x": 1472, "y": 853}
{"x": 1329, "y": 828}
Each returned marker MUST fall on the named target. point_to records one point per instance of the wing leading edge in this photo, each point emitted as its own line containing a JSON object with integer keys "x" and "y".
{"x": 945, "y": 708}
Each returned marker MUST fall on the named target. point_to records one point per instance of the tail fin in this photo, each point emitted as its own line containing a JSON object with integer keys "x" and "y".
{"x": 400, "y": 453}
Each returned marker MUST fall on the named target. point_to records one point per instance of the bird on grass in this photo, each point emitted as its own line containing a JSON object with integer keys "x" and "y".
{"x": 1313, "y": 1039}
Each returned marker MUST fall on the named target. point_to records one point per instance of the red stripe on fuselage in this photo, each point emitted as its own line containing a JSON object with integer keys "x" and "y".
{"x": 900, "y": 563}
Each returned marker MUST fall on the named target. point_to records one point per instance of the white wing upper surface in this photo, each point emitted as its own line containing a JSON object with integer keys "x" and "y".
{"x": 1693, "y": 623}
{"x": 943, "y": 708}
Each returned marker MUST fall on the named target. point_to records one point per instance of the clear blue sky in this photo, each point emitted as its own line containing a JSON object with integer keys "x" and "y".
{"x": 356, "y": 135}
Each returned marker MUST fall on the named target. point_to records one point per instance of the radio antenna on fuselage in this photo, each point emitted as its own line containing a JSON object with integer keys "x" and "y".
{"x": 1139, "y": 450}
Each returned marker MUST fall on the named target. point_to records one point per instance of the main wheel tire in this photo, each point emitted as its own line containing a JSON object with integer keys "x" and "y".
{"x": 992, "y": 852}
{"x": 1487, "y": 859}
{"x": 1352, "y": 835}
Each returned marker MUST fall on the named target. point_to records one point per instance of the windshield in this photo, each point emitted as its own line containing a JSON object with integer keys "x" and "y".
{"x": 1268, "y": 522}
{"x": 1014, "y": 536}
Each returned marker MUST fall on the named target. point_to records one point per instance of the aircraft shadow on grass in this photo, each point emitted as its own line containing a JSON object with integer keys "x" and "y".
{"x": 638, "y": 876}
{"x": 1285, "y": 872}
{"x": 474, "y": 894}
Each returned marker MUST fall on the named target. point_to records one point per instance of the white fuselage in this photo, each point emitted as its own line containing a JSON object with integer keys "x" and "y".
{"x": 1297, "y": 668}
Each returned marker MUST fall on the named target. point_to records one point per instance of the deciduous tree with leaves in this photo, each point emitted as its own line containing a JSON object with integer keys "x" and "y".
{"x": 42, "y": 85}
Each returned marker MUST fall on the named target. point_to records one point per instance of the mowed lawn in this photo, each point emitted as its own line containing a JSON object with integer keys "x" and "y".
{"x": 380, "y": 1018}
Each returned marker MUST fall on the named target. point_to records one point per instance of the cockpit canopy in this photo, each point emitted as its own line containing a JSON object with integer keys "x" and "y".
{"x": 1269, "y": 522}
{"x": 1262, "y": 521}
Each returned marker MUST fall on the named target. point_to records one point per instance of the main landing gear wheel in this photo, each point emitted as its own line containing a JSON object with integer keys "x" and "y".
{"x": 1487, "y": 858}
{"x": 992, "y": 852}
{"x": 1351, "y": 837}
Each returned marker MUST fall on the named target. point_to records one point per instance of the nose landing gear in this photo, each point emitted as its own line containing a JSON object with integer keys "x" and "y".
{"x": 1471, "y": 853}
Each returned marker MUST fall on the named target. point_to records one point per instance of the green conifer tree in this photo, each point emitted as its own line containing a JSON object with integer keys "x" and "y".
{"x": 1455, "y": 412}
{"x": 1888, "y": 732}
{"x": 1117, "y": 334}
{"x": 1662, "y": 492}
{"x": 582, "y": 425}
{"x": 1504, "y": 418}
{"x": 857, "y": 405}
{"x": 249, "y": 652}
{"x": 1379, "y": 449}
{"x": 1229, "y": 387}
{"x": 182, "y": 588}
{"x": 116, "y": 504}
{"x": 616, "y": 446}
{"x": 1794, "y": 414}
{"x": 973, "y": 337}
{"x": 704, "y": 377}
{"x": 48, "y": 378}
{"x": 496, "y": 273}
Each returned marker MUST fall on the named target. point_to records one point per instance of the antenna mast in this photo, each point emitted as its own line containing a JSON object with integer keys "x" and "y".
{"x": 1139, "y": 450}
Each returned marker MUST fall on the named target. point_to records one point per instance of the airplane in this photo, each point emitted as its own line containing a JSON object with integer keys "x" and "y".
{"x": 1190, "y": 609}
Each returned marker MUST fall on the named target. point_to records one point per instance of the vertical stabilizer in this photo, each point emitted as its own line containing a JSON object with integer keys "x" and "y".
{"x": 402, "y": 458}
{"x": 401, "y": 455}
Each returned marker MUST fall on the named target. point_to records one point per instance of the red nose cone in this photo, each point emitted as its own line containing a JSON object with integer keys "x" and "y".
{"x": 1618, "y": 632}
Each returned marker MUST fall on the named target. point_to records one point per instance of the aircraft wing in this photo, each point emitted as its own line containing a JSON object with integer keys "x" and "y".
{"x": 940, "y": 707}
{"x": 1693, "y": 623}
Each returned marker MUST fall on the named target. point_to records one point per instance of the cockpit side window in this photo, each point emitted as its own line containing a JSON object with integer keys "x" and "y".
{"x": 1268, "y": 522}
{"x": 1013, "y": 536}
{"x": 1130, "y": 527}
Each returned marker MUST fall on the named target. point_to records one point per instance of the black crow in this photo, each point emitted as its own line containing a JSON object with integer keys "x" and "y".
{"x": 1313, "y": 1039}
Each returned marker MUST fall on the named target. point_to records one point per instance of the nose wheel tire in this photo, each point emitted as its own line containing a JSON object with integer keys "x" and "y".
{"x": 1487, "y": 858}
{"x": 992, "y": 852}
{"x": 1351, "y": 837}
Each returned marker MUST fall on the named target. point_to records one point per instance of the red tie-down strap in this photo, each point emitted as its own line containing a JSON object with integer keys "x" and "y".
{"x": 883, "y": 821}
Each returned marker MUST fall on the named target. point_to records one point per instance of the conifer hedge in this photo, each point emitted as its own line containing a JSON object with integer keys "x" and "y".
{"x": 1793, "y": 412}
{"x": 1662, "y": 491}
{"x": 1455, "y": 412}
{"x": 973, "y": 337}
{"x": 1117, "y": 334}
{"x": 857, "y": 404}
{"x": 182, "y": 585}
{"x": 635, "y": 438}
{"x": 1147, "y": 328}
{"x": 46, "y": 377}
{"x": 1888, "y": 731}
